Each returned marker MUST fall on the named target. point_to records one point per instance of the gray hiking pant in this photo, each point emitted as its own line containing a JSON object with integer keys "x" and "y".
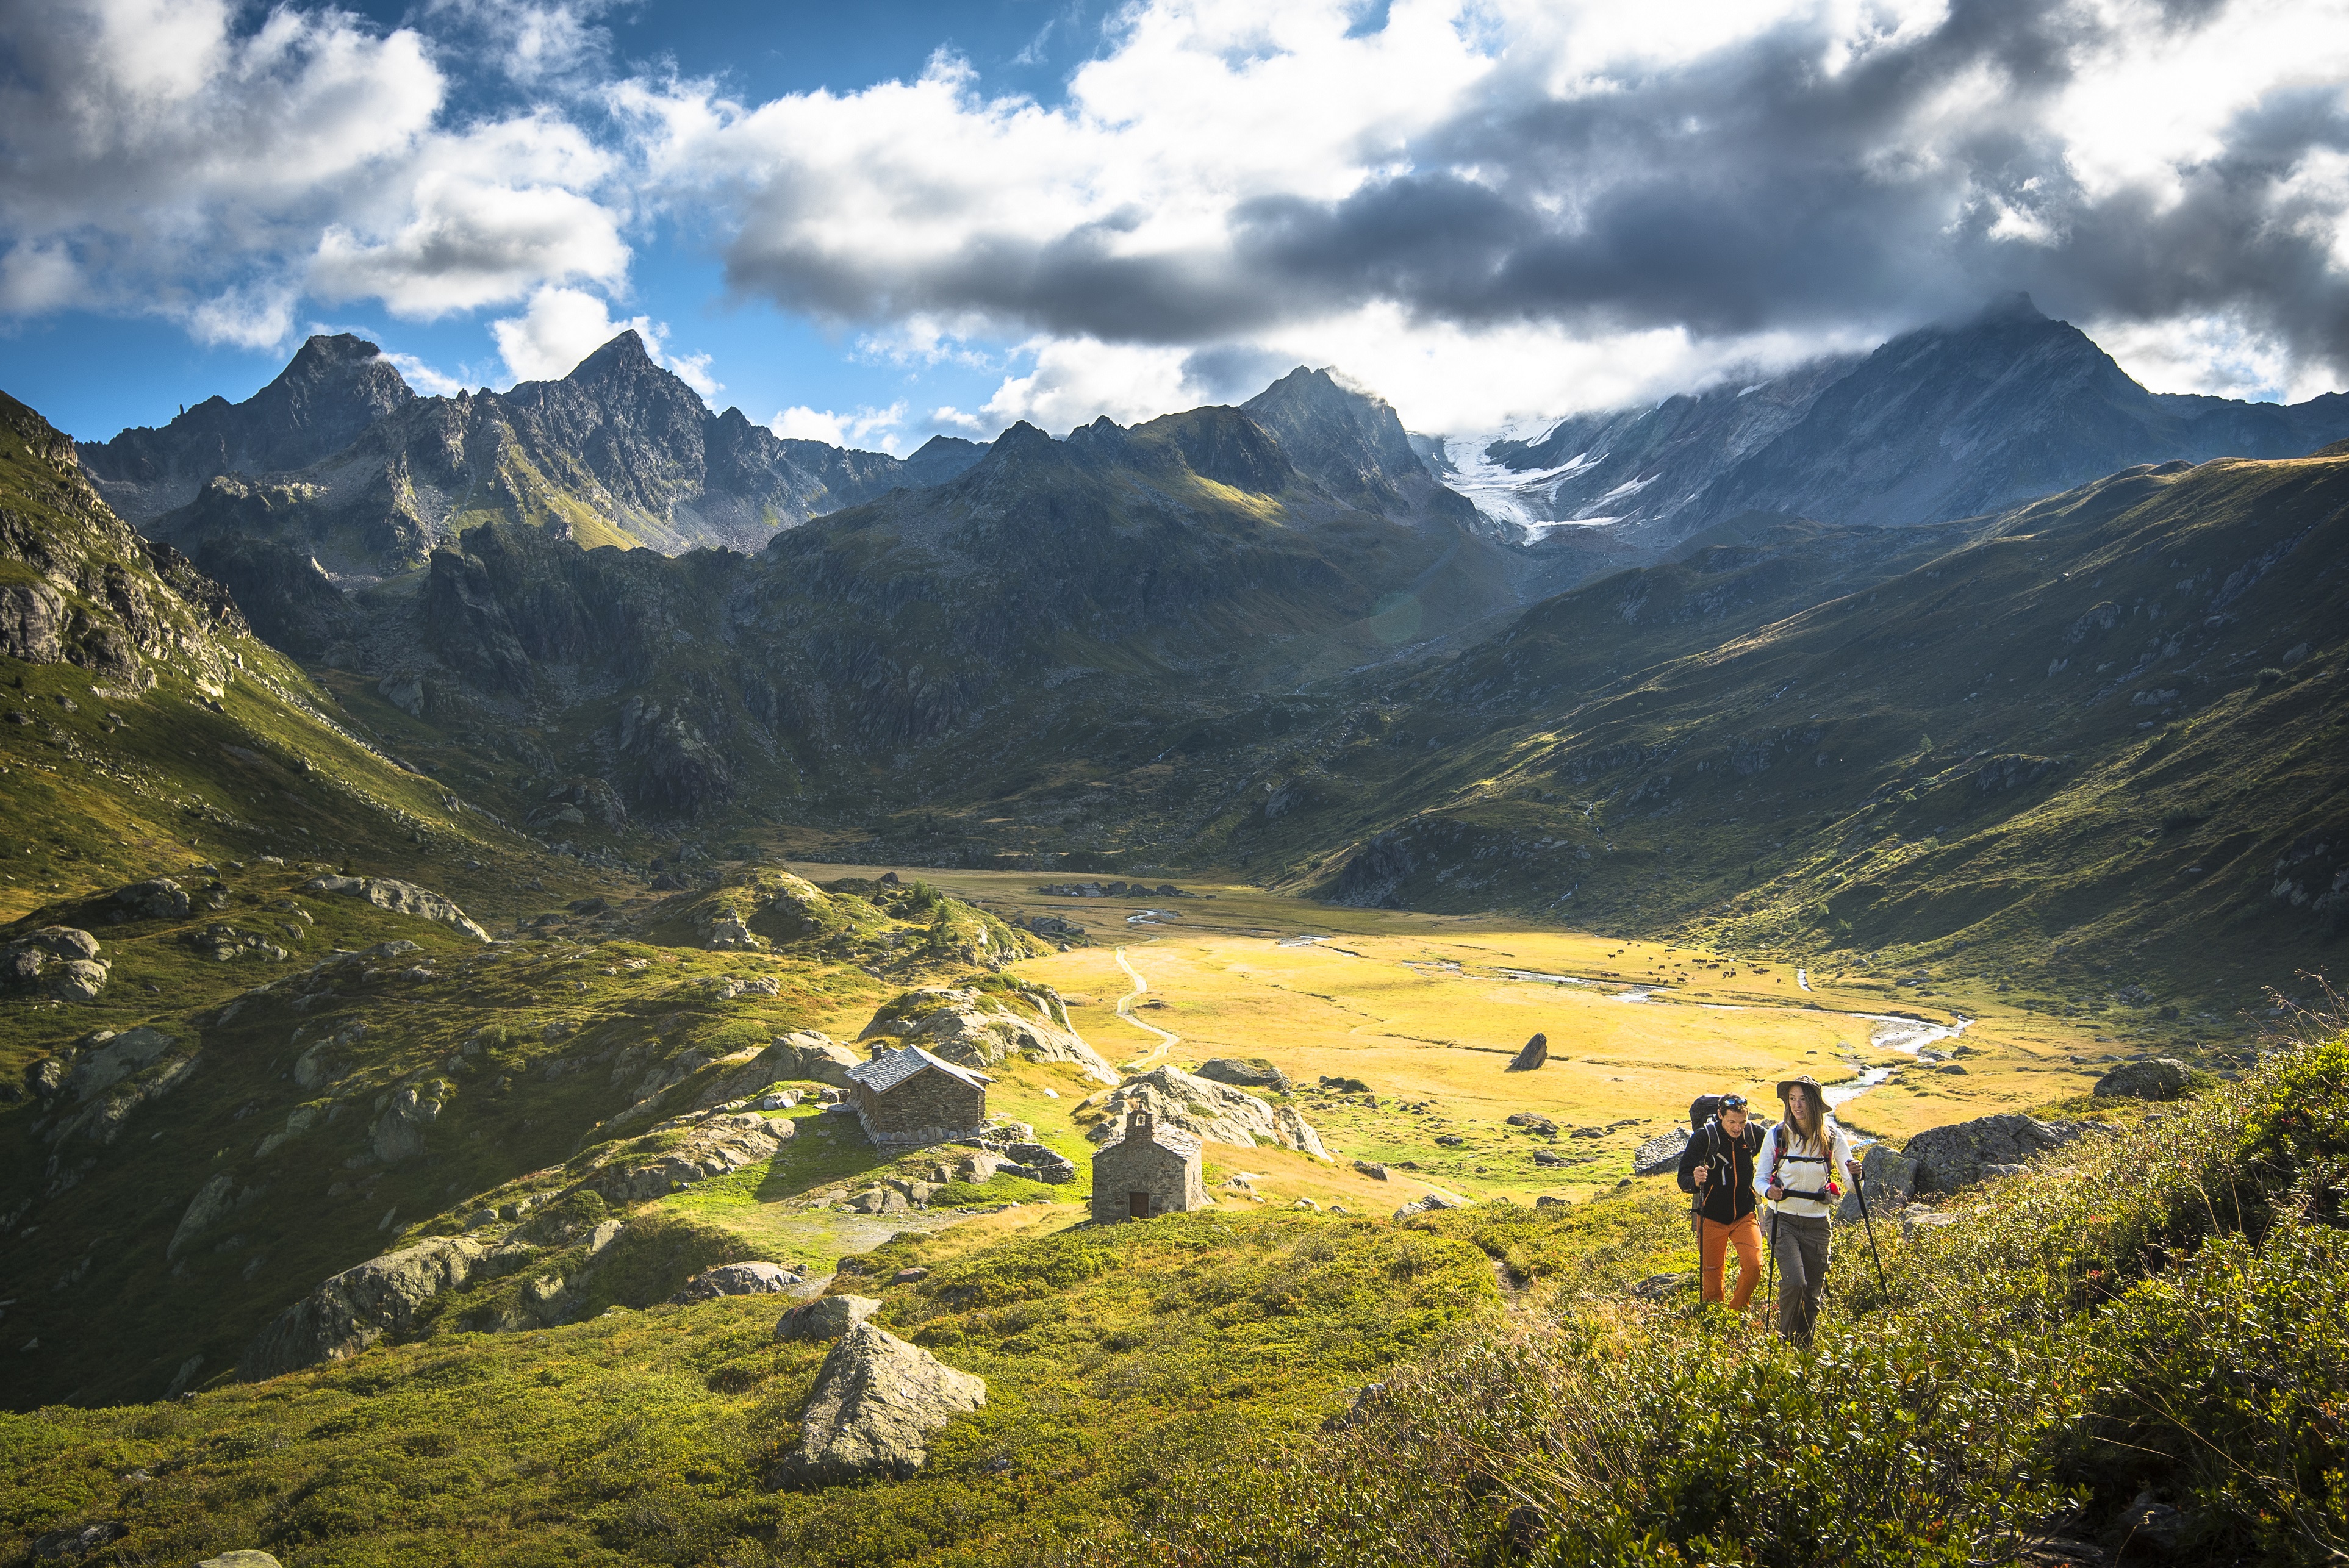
{"x": 1800, "y": 1247}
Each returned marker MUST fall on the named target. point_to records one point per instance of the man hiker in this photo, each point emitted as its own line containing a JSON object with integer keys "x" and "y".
{"x": 1796, "y": 1171}
{"x": 1717, "y": 1166}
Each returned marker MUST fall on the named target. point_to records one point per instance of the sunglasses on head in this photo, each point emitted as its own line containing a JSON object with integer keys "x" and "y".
{"x": 1732, "y": 1102}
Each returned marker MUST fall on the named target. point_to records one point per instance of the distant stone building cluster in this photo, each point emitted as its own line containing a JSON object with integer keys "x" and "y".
{"x": 906, "y": 1098}
{"x": 1149, "y": 1170}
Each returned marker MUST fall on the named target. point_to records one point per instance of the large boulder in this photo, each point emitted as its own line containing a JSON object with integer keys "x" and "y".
{"x": 161, "y": 899}
{"x": 1207, "y": 1110}
{"x": 214, "y": 1202}
{"x": 737, "y": 1279}
{"x": 2149, "y": 1077}
{"x": 675, "y": 1155}
{"x": 876, "y": 1402}
{"x": 1949, "y": 1158}
{"x": 827, "y": 1318}
{"x": 356, "y": 1307}
{"x": 1536, "y": 1052}
{"x": 59, "y": 961}
{"x": 1253, "y": 1072}
{"x": 403, "y": 898}
{"x": 976, "y": 1029}
{"x": 1660, "y": 1153}
{"x": 802, "y": 1055}
{"x": 116, "y": 1058}
{"x": 1039, "y": 1164}
{"x": 399, "y": 1132}
{"x": 1891, "y": 1177}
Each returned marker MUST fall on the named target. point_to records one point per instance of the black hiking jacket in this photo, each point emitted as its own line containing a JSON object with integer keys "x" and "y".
{"x": 1729, "y": 1195}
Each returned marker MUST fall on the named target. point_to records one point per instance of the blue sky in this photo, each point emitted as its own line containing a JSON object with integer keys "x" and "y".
{"x": 875, "y": 222}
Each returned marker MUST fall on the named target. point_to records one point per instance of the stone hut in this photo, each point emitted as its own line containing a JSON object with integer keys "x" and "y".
{"x": 1149, "y": 1170}
{"x": 907, "y": 1097}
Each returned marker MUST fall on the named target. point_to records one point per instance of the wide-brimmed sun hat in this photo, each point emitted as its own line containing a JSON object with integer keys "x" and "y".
{"x": 1808, "y": 1081}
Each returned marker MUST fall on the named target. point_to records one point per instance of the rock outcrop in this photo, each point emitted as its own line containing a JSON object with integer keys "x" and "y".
{"x": 676, "y": 1154}
{"x": 1950, "y": 1157}
{"x": 160, "y": 899}
{"x": 802, "y": 1056}
{"x": 878, "y": 1400}
{"x": 827, "y": 1318}
{"x": 1253, "y": 1072}
{"x": 115, "y": 1058}
{"x": 1891, "y": 1179}
{"x": 402, "y": 898}
{"x": 358, "y": 1306}
{"x": 1536, "y": 1052}
{"x": 1211, "y": 1111}
{"x": 214, "y": 1202}
{"x": 737, "y": 1279}
{"x": 975, "y": 1029}
{"x": 399, "y": 1132}
{"x": 2150, "y": 1078}
{"x": 59, "y": 961}
{"x": 1660, "y": 1153}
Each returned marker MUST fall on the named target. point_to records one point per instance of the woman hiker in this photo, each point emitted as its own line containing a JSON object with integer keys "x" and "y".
{"x": 1797, "y": 1173}
{"x": 1717, "y": 1166}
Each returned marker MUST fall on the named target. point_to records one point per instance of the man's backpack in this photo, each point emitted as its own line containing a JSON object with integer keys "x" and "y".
{"x": 1702, "y": 1110}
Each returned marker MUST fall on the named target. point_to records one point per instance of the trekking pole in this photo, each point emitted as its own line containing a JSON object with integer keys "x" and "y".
{"x": 1770, "y": 1291}
{"x": 1859, "y": 1190}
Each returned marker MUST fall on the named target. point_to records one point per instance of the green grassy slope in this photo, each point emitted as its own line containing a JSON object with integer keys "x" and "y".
{"x": 2099, "y": 746}
{"x": 159, "y": 732}
{"x": 151, "y": 735}
{"x": 1112, "y": 1360}
{"x": 2106, "y": 1356}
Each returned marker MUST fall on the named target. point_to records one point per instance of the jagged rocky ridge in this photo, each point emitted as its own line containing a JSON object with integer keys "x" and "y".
{"x": 1943, "y": 422}
{"x": 1190, "y": 547}
{"x": 336, "y": 467}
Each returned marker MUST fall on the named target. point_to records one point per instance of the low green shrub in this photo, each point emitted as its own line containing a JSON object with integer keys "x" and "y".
{"x": 2226, "y": 1386}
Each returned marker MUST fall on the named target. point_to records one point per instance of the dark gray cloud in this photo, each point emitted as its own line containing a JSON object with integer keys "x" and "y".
{"x": 1752, "y": 190}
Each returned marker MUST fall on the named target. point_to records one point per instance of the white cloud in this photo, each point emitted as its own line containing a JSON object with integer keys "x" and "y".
{"x": 1075, "y": 381}
{"x": 424, "y": 378}
{"x": 177, "y": 157}
{"x": 564, "y": 325}
{"x": 483, "y": 218}
{"x": 1694, "y": 184}
{"x": 1481, "y": 207}
{"x": 2218, "y": 356}
{"x": 35, "y": 278}
{"x": 868, "y": 428}
{"x": 532, "y": 41}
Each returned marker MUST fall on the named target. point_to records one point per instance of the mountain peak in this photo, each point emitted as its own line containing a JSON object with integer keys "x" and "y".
{"x": 624, "y": 353}
{"x": 324, "y": 351}
{"x": 2009, "y": 307}
{"x": 1349, "y": 442}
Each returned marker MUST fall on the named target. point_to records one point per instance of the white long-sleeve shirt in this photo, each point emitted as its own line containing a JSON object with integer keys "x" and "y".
{"x": 1806, "y": 1172}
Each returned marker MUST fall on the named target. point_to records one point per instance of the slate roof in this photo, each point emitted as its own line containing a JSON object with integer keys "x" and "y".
{"x": 890, "y": 1068}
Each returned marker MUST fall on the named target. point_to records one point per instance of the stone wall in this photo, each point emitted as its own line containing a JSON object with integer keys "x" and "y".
{"x": 1172, "y": 1178}
{"x": 931, "y": 1107}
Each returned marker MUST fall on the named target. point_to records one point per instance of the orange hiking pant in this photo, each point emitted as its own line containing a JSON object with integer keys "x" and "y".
{"x": 1746, "y": 1235}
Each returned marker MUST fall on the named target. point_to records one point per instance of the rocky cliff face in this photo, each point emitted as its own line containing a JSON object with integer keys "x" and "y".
{"x": 1351, "y": 445}
{"x": 901, "y": 622}
{"x": 333, "y": 389}
{"x": 336, "y": 470}
{"x": 77, "y": 587}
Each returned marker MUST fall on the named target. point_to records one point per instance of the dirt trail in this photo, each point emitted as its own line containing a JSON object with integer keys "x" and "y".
{"x": 1166, "y": 1041}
